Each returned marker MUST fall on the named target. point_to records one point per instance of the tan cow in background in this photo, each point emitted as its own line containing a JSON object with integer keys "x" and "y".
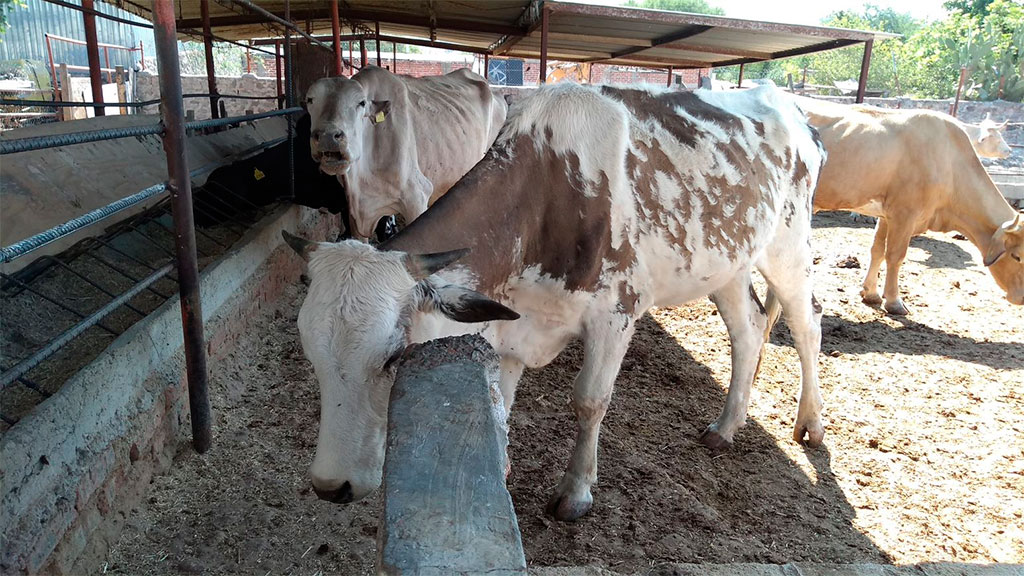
{"x": 914, "y": 170}
{"x": 987, "y": 138}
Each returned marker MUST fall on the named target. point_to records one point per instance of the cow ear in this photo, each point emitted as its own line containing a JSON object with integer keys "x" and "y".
{"x": 465, "y": 305}
{"x": 301, "y": 246}
{"x": 1006, "y": 234}
{"x": 379, "y": 111}
{"x": 420, "y": 266}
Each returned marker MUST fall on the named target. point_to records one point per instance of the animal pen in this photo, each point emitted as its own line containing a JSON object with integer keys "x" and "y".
{"x": 93, "y": 397}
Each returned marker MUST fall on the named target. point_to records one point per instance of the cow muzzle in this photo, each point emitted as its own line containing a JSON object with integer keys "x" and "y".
{"x": 340, "y": 495}
{"x": 334, "y": 161}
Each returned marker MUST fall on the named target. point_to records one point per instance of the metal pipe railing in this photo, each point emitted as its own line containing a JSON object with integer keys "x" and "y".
{"x": 250, "y": 6}
{"x": 42, "y": 142}
{"x": 56, "y": 104}
{"x": 23, "y": 367}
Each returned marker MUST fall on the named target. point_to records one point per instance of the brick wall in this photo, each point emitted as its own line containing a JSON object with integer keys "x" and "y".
{"x": 245, "y": 85}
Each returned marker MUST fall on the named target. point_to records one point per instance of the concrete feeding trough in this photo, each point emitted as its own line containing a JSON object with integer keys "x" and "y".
{"x": 446, "y": 509}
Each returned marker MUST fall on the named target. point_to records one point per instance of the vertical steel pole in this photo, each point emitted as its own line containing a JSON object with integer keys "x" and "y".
{"x": 543, "y": 46}
{"x": 376, "y": 40}
{"x": 739, "y": 84}
{"x": 362, "y": 52}
{"x": 862, "y": 86}
{"x": 336, "y": 33}
{"x": 394, "y": 57}
{"x": 179, "y": 185}
{"x": 289, "y": 98}
{"x": 277, "y": 72}
{"x": 92, "y": 48}
{"x": 211, "y": 73}
{"x": 487, "y": 68}
{"x": 669, "y": 83}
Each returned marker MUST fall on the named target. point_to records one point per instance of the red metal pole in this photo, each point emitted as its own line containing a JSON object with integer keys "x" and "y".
{"x": 93, "y": 50}
{"x": 142, "y": 56}
{"x": 57, "y": 96}
{"x": 394, "y": 57}
{"x": 543, "y": 46}
{"x": 277, "y": 70}
{"x": 862, "y": 86}
{"x": 376, "y": 39}
{"x": 669, "y": 84}
{"x": 740, "y": 83}
{"x": 172, "y": 110}
{"x": 211, "y": 74}
{"x": 336, "y": 32}
{"x": 362, "y": 52}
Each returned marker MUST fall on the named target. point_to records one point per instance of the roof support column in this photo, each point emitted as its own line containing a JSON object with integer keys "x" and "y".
{"x": 394, "y": 58}
{"x": 277, "y": 72}
{"x": 362, "y": 52}
{"x": 862, "y": 86}
{"x": 92, "y": 48}
{"x": 543, "y": 45}
{"x": 487, "y": 68}
{"x": 289, "y": 97}
{"x": 336, "y": 33}
{"x": 376, "y": 40}
{"x": 172, "y": 111}
{"x": 739, "y": 83}
{"x": 211, "y": 73}
{"x": 669, "y": 83}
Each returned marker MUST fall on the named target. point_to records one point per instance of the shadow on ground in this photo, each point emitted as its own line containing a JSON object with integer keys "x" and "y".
{"x": 661, "y": 496}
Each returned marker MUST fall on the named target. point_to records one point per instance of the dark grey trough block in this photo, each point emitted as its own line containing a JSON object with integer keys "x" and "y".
{"x": 446, "y": 509}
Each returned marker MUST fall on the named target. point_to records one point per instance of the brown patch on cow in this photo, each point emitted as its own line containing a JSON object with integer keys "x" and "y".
{"x": 628, "y": 299}
{"x": 534, "y": 198}
{"x": 801, "y": 171}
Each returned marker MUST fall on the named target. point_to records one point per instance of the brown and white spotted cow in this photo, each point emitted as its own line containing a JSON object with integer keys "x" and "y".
{"x": 593, "y": 205}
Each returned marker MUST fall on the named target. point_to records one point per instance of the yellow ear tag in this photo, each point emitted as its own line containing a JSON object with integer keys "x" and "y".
{"x": 257, "y": 174}
{"x": 379, "y": 117}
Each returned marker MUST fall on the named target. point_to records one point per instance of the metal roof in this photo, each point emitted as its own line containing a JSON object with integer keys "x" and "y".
{"x": 576, "y": 32}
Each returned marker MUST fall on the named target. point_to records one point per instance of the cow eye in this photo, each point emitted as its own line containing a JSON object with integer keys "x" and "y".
{"x": 309, "y": 100}
{"x": 1015, "y": 257}
{"x": 363, "y": 103}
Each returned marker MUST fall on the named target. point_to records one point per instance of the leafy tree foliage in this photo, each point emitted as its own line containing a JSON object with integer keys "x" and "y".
{"x": 692, "y": 6}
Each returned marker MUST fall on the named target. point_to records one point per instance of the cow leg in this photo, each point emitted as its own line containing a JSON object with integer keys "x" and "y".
{"x": 896, "y": 244}
{"x": 869, "y": 294}
{"x": 745, "y": 319}
{"x": 604, "y": 344}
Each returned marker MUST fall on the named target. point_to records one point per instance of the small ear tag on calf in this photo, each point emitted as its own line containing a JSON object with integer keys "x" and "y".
{"x": 258, "y": 174}
{"x": 379, "y": 117}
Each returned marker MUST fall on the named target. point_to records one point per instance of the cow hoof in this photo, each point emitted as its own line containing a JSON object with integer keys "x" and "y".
{"x": 715, "y": 441}
{"x": 896, "y": 308}
{"x": 871, "y": 299}
{"x": 566, "y": 509}
{"x": 815, "y": 434}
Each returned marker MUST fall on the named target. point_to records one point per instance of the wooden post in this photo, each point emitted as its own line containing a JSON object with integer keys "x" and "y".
{"x": 211, "y": 74}
{"x": 543, "y": 45}
{"x": 740, "y": 83}
{"x": 122, "y": 93}
{"x": 92, "y": 48}
{"x": 959, "y": 87}
{"x": 336, "y": 33}
{"x": 65, "y": 93}
{"x": 862, "y": 86}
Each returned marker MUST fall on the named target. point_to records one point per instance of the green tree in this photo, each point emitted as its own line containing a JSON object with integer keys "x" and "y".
{"x": 692, "y": 6}
{"x": 977, "y": 8}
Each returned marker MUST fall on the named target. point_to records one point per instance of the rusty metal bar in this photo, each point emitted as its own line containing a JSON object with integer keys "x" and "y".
{"x": 84, "y": 43}
{"x": 23, "y": 367}
{"x": 211, "y": 73}
{"x": 865, "y": 65}
{"x": 487, "y": 68}
{"x": 93, "y": 50}
{"x": 53, "y": 71}
{"x": 959, "y": 88}
{"x": 362, "y": 53}
{"x": 543, "y": 45}
{"x": 336, "y": 33}
{"x": 669, "y": 83}
{"x": 394, "y": 56}
{"x": 180, "y": 186}
{"x": 289, "y": 95}
{"x": 267, "y": 15}
{"x": 376, "y": 40}
{"x": 99, "y": 14}
{"x": 142, "y": 56}
{"x": 739, "y": 84}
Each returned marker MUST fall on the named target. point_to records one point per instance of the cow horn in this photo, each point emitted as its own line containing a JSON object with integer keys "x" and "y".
{"x": 301, "y": 246}
{"x": 1015, "y": 226}
{"x": 422, "y": 265}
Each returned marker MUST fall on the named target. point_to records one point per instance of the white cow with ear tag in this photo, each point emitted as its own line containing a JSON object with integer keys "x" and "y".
{"x": 398, "y": 143}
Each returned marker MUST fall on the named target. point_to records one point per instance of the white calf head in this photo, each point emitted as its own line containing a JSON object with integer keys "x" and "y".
{"x": 353, "y": 325}
{"x": 340, "y": 113}
{"x": 990, "y": 142}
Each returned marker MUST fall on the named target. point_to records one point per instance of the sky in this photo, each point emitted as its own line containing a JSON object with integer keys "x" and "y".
{"x": 810, "y": 12}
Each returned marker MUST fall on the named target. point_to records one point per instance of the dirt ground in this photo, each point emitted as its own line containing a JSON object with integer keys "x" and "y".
{"x": 923, "y": 457}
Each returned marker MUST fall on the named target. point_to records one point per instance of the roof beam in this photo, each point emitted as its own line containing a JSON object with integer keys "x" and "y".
{"x": 392, "y": 39}
{"x": 682, "y": 18}
{"x": 370, "y": 16}
{"x": 660, "y": 62}
{"x": 830, "y": 45}
{"x": 685, "y": 46}
{"x": 690, "y": 30}
{"x": 618, "y": 40}
{"x": 529, "y": 21}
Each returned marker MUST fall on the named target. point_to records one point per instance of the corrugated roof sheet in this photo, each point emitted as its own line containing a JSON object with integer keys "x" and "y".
{"x": 576, "y": 32}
